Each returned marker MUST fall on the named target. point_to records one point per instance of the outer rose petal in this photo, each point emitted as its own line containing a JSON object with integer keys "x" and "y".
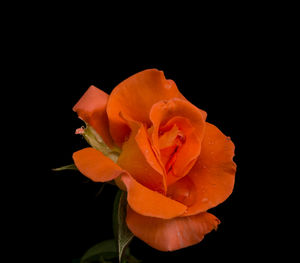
{"x": 172, "y": 234}
{"x": 96, "y": 166}
{"x": 150, "y": 203}
{"x": 134, "y": 97}
{"x": 92, "y": 109}
{"x": 211, "y": 180}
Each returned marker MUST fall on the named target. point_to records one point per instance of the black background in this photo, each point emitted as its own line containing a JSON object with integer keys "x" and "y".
{"x": 224, "y": 71}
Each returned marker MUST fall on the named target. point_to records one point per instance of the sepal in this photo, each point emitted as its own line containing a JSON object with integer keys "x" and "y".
{"x": 96, "y": 141}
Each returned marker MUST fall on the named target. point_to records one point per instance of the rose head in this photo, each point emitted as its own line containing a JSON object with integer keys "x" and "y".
{"x": 173, "y": 164}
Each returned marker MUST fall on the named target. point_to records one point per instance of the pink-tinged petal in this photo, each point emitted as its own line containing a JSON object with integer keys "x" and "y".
{"x": 171, "y": 234}
{"x": 92, "y": 109}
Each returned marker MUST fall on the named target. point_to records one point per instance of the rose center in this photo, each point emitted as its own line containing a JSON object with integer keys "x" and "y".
{"x": 170, "y": 142}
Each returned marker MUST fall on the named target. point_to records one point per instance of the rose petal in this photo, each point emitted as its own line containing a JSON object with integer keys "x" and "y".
{"x": 168, "y": 138}
{"x": 183, "y": 191}
{"x": 163, "y": 111}
{"x": 212, "y": 177}
{"x": 143, "y": 141}
{"x": 95, "y": 165}
{"x": 150, "y": 203}
{"x": 92, "y": 109}
{"x": 171, "y": 234}
{"x": 135, "y": 97}
{"x": 191, "y": 122}
{"x": 187, "y": 153}
{"x": 138, "y": 158}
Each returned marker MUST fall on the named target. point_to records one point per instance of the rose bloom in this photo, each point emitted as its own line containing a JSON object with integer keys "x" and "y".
{"x": 159, "y": 148}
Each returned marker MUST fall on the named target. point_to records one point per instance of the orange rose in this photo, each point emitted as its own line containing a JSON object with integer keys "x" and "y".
{"x": 158, "y": 147}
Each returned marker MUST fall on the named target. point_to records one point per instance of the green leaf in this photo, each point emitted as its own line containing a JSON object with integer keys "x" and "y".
{"x": 66, "y": 167}
{"x": 122, "y": 233}
{"x": 102, "y": 251}
{"x": 118, "y": 247}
